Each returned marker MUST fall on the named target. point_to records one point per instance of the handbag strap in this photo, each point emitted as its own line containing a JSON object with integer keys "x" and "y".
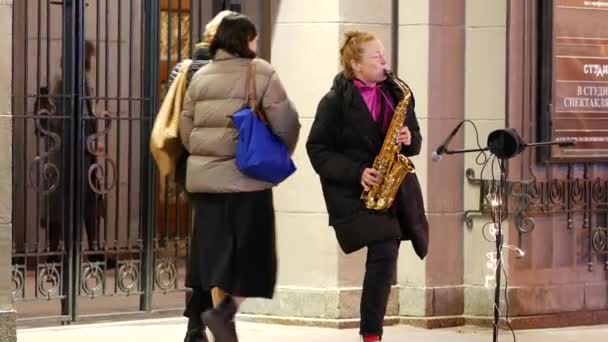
{"x": 186, "y": 64}
{"x": 250, "y": 91}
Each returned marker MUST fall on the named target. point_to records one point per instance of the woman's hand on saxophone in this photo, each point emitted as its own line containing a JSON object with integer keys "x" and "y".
{"x": 404, "y": 136}
{"x": 369, "y": 178}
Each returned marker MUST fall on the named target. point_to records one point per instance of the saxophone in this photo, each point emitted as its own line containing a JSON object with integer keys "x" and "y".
{"x": 392, "y": 165}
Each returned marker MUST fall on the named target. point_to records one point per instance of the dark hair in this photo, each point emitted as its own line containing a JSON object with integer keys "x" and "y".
{"x": 89, "y": 52}
{"x": 233, "y": 36}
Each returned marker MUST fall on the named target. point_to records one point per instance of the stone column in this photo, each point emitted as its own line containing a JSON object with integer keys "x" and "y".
{"x": 7, "y": 314}
{"x": 431, "y": 60}
{"x": 453, "y": 55}
{"x": 317, "y": 283}
{"x": 485, "y": 82}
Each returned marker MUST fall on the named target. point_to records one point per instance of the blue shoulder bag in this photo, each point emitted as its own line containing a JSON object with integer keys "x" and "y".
{"x": 260, "y": 154}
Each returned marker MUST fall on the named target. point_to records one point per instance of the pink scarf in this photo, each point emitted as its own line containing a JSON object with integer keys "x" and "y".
{"x": 373, "y": 97}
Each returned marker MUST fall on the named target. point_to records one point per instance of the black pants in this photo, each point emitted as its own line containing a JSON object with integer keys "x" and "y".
{"x": 198, "y": 302}
{"x": 90, "y": 220}
{"x": 380, "y": 270}
{"x": 197, "y": 299}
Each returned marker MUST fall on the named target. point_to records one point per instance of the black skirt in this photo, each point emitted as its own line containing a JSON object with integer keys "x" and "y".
{"x": 233, "y": 243}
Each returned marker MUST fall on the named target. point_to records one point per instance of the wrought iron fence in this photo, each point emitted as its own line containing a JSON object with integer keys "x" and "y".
{"x": 91, "y": 219}
{"x": 578, "y": 196}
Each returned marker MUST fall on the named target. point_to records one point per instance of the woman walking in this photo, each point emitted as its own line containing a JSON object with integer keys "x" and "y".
{"x": 234, "y": 214}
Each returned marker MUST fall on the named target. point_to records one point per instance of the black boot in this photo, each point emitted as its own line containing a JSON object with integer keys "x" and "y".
{"x": 196, "y": 335}
{"x": 197, "y": 301}
{"x": 221, "y": 321}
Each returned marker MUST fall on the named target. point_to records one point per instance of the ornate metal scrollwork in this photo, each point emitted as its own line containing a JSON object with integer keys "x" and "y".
{"x": 97, "y": 171}
{"x": 18, "y": 279}
{"x": 557, "y": 194}
{"x": 599, "y": 240}
{"x": 41, "y": 167}
{"x": 49, "y": 280}
{"x": 165, "y": 274}
{"x": 92, "y": 278}
{"x": 486, "y": 190}
{"x": 526, "y": 194}
{"x": 577, "y": 191}
{"x": 598, "y": 190}
{"x": 128, "y": 277}
{"x": 573, "y": 196}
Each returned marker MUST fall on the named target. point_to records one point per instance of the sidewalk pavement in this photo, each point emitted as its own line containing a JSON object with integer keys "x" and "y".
{"x": 172, "y": 329}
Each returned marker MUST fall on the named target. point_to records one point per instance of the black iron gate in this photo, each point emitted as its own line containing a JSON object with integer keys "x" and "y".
{"x": 90, "y": 218}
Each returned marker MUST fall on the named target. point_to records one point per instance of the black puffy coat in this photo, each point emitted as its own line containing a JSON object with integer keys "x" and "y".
{"x": 343, "y": 141}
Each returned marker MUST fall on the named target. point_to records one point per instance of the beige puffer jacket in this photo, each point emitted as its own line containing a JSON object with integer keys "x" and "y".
{"x": 215, "y": 93}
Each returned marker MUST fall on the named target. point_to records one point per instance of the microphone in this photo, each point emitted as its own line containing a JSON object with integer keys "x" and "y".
{"x": 436, "y": 156}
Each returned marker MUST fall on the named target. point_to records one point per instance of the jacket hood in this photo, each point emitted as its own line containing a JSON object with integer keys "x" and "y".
{"x": 341, "y": 83}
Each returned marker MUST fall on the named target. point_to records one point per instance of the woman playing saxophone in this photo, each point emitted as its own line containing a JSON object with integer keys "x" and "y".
{"x": 355, "y": 124}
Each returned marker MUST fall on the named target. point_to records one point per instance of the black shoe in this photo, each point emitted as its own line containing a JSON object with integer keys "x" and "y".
{"x": 196, "y": 335}
{"x": 221, "y": 321}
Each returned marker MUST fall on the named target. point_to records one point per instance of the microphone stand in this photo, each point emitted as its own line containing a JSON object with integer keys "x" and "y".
{"x": 498, "y": 220}
{"x": 460, "y": 151}
{"x": 447, "y": 151}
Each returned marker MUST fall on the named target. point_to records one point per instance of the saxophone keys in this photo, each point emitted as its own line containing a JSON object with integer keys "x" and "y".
{"x": 380, "y": 204}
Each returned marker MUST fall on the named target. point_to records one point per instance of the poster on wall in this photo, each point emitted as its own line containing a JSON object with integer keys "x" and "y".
{"x": 580, "y": 79}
